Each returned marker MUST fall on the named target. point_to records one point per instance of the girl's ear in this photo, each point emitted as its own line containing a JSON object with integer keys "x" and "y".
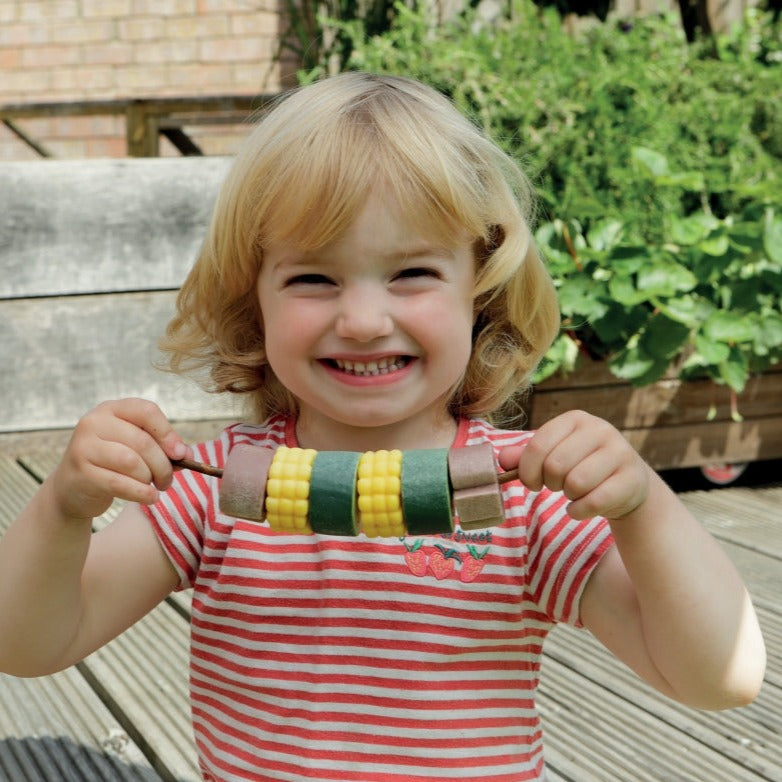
{"x": 485, "y": 247}
{"x": 479, "y": 318}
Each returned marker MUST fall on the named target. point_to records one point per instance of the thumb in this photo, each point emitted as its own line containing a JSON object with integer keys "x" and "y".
{"x": 509, "y": 457}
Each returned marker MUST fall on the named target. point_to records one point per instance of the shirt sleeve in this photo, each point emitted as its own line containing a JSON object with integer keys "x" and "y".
{"x": 561, "y": 555}
{"x": 184, "y": 512}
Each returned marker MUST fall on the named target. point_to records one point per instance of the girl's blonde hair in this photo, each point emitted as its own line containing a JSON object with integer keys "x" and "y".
{"x": 303, "y": 176}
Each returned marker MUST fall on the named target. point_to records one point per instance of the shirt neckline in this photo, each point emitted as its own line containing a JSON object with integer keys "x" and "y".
{"x": 459, "y": 441}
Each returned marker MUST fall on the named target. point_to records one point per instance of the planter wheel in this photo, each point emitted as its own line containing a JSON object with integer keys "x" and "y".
{"x": 725, "y": 473}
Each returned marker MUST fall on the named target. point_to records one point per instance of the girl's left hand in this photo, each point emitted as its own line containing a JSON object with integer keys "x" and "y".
{"x": 588, "y": 460}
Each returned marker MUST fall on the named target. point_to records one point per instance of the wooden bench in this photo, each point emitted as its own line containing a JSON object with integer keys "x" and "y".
{"x": 92, "y": 253}
{"x": 146, "y": 119}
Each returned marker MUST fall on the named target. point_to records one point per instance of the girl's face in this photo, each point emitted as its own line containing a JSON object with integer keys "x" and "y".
{"x": 371, "y": 332}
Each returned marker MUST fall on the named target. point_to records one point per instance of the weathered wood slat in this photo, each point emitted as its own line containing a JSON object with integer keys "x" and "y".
{"x": 684, "y": 445}
{"x": 76, "y": 226}
{"x": 55, "y": 728}
{"x": 749, "y": 737}
{"x": 748, "y": 517}
{"x": 594, "y": 724}
{"x": 669, "y": 402}
{"x": 143, "y": 674}
{"x": 692, "y": 445}
{"x": 17, "y": 486}
{"x": 68, "y": 357}
{"x": 672, "y": 423}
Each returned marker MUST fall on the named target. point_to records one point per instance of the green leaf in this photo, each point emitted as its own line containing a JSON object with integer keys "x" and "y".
{"x": 716, "y": 243}
{"x": 580, "y": 296}
{"x": 691, "y": 229}
{"x": 625, "y": 260}
{"x": 665, "y": 279}
{"x": 734, "y": 372}
{"x": 652, "y": 162}
{"x": 630, "y": 363}
{"x": 687, "y": 309}
{"x": 712, "y": 352}
{"x": 688, "y": 180}
{"x": 730, "y": 327}
{"x": 664, "y": 338}
{"x": 605, "y": 234}
{"x": 637, "y": 366}
{"x": 772, "y": 236}
{"x": 623, "y": 291}
{"x": 770, "y": 331}
{"x": 561, "y": 356}
{"x": 615, "y": 328}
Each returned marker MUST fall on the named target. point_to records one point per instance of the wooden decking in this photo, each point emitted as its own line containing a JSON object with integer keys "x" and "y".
{"x": 122, "y": 714}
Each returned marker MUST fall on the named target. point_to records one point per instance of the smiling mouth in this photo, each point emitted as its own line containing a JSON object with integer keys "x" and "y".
{"x": 382, "y": 366}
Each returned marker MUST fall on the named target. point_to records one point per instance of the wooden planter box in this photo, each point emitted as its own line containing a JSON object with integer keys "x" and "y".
{"x": 669, "y": 422}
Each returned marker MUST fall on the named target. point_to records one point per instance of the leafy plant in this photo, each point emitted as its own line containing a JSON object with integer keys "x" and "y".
{"x": 314, "y": 30}
{"x": 704, "y": 301}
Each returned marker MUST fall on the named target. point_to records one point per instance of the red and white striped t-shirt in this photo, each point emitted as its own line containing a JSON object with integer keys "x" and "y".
{"x": 376, "y": 660}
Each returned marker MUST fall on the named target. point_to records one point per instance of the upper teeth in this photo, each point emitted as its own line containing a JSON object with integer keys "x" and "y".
{"x": 380, "y": 367}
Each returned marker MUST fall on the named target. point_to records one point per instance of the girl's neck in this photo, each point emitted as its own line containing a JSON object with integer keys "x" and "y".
{"x": 334, "y": 436}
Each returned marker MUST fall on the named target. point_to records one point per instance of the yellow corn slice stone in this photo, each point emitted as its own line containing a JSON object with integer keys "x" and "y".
{"x": 379, "y": 488}
{"x": 288, "y": 490}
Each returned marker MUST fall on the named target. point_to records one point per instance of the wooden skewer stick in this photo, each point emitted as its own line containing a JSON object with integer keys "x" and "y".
{"x": 191, "y": 464}
{"x": 216, "y": 472}
{"x": 508, "y": 476}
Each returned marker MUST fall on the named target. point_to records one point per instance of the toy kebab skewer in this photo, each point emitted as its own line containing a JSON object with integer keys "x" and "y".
{"x": 379, "y": 493}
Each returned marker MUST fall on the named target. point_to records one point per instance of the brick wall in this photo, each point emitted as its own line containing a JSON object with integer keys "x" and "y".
{"x": 63, "y": 50}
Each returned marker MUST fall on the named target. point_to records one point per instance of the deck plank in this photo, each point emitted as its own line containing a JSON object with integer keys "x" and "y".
{"x": 749, "y": 517}
{"x": 590, "y": 700}
{"x": 592, "y": 724}
{"x": 56, "y": 727}
{"x": 746, "y": 739}
{"x": 142, "y": 675}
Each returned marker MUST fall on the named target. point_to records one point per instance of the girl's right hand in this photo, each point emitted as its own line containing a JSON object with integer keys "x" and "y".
{"x": 121, "y": 449}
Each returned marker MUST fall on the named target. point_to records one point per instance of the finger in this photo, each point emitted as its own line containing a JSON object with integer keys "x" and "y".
{"x": 604, "y": 500}
{"x": 132, "y": 451}
{"x": 162, "y": 443}
{"x": 148, "y": 416}
{"x": 545, "y": 459}
{"x": 121, "y": 457}
{"x": 125, "y": 487}
{"x": 508, "y": 457}
{"x": 587, "y": 475}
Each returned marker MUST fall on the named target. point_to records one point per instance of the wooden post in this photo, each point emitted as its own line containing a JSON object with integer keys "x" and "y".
{"x": 141, "y": 131}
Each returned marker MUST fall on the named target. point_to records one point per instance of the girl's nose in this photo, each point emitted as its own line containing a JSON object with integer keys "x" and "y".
{"x": 364, "y": 314}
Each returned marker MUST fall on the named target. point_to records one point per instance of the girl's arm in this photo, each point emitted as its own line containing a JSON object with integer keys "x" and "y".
{"x": 64, "y": 591}
{"x": 666, "y": 599}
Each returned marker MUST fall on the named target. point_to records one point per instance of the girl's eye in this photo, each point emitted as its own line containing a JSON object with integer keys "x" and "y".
{"x": 416, "y": 272}
{"x": 309, "y": 279}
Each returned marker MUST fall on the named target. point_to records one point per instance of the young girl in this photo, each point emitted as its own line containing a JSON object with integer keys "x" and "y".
{"x": 369, "y": 282}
